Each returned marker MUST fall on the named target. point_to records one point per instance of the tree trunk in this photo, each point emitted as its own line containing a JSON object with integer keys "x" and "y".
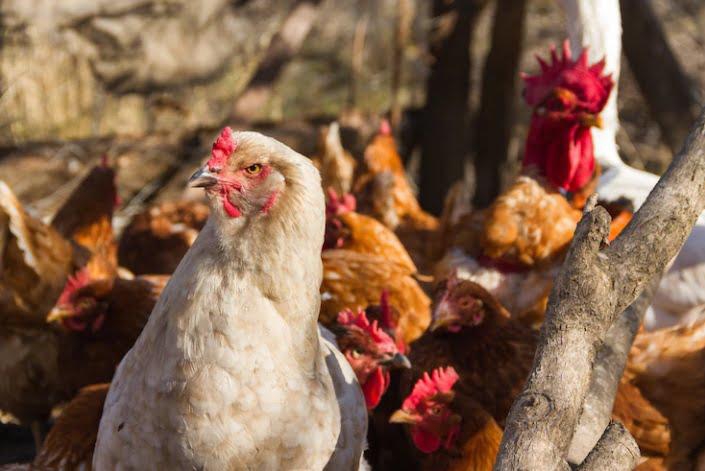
{"x": 665, "y": 86}
{"x": 499, "y": 83}
{"x": 444, "y": 140}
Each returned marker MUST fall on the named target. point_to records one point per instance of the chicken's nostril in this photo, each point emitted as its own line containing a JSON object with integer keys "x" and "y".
{"x": 215, "y": 169}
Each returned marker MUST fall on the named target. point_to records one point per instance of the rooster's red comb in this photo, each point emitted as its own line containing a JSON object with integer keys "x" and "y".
{"x": 359, "y": 319}
{"x": 223, "y": 147}
{"x": 586, "y": 81}
{"x": 441, "y": 380}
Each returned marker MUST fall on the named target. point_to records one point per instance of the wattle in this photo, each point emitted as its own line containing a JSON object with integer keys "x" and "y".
{"x": 562, "y": 150}
{"x": 425, "y": 441}
{"x": 375, "y": 386}
{"x": 230, "y": 209}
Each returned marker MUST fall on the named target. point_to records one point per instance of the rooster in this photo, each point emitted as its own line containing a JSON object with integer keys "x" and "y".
{"x": 447, "y": 425}
{"x": 232, "y": 367}
{"x": 385, "y": 193}
{"x": 515, "y": 246}
{"x": 156, "y": 239}
{"x": 597, "y": 23}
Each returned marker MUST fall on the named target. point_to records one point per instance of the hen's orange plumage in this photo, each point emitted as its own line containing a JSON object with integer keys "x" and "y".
{"x": 355, "y": 280}
{"x": 385, "y": 193}
{"x": 667, "y": 367}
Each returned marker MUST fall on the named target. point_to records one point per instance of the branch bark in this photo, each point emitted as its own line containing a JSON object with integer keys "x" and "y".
{"x": 607, "y": 372}
{"x": 616, "y": 449}
{"x": 593, "y": 287}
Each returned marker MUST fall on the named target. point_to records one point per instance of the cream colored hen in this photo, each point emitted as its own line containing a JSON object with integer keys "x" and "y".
{"x": 231, "y": 371}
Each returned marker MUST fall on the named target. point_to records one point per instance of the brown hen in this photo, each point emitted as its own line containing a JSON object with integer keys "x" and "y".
{"x": 157, "y": 239}
{"x": 335, "y": 164}
{"x": 385, "y": 193}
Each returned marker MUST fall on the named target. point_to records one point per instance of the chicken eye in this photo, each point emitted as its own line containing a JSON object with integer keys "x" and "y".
{"x": 355, "y": 353}
{"x": 254, "y": 169}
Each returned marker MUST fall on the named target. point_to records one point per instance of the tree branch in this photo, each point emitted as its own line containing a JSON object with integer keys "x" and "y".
{"x": 616, "y": 450}
{"x": 592, "y": 288}
{"x": 607, "y": 372}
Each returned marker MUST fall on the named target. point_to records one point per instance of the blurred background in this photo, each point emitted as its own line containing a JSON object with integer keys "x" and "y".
{"x": 149, "y": 83}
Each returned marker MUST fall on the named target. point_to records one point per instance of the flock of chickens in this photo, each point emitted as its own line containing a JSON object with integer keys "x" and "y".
{"x": 437, "y": 317}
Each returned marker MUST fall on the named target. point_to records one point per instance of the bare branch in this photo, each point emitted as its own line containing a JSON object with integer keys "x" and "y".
{"x": 608, "y": 369}
{"x": 592, "y": 288}
{"x": 616, "y": 450}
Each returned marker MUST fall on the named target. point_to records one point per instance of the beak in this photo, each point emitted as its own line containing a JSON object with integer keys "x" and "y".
{"x": 202, "y": 178}
{"x": 57, "y": 313}
{"x": 402, "y": 417}
{"x": 443, "y": 316}
{"x": 396, "y": 361}
{"x": 593, "y": 120}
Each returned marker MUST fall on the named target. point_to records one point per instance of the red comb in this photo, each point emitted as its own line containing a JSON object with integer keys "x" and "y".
{"x": 359, "y": 319}
{"x": 587, "y": 82}
{"x": 385, "y": 128}
{"x": 75, "y": 282}
{"x": 441, "y": 380}
{"x": 223, "y": 147}
{"x": 337, "y": 205}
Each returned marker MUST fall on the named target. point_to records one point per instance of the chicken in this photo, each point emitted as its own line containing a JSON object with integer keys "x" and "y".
{"x": 355, "y": 280}
{"x": 157, "y": 238}
{"x": 86, "y": 216}
{"x": 514, "y": 247}
{"x": 335, "y": 164}
{"x": 451, "y": 429}
{"x": 81, "y": 343}
{"x": 231, "y": 367}
{"x": 385, "y": 194}
{"x": 70, "y": 442}
{"x": 667, "y": 367}
{"x": 40, "y": 265}
{"x": 474, "y": 334}
{"x": 347, "y": 229}
{"x": 34, "y": 265}
{"x": 370, "y": 351}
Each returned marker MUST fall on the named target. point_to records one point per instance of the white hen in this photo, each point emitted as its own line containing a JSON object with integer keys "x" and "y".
{"x": 231, "y": 371}
{"x": 597, "y": 24}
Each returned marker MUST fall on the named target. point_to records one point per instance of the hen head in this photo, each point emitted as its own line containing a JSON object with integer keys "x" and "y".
{"x": 370, "y": 351}
{"x": 566, "y": 97}
{"x": 81, "y": 307}
{"x": 335, "y": 229}
{"x": 463, "y": 304}
{"x": 242, "y": 177}
{"x": 428, "y": 411}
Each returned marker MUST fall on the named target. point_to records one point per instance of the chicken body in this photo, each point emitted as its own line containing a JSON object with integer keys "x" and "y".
{"x": 231, "y": 369}
{"x": 157, "y": 239}
{"x": 667, "y": 367}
